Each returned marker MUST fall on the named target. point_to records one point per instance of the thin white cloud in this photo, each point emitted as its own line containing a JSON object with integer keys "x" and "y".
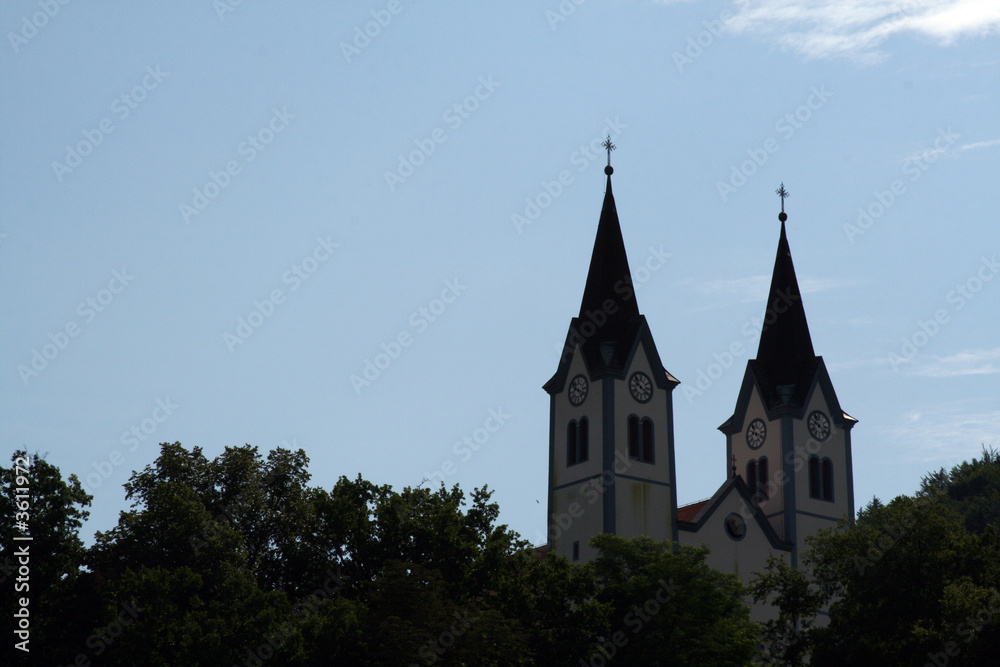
{"x": 970, "y": 362}
{"x": 981, "y": 144}
{"x": 948, "y": 433}
{"x": 851, "y": 364}
{"x": 754, "y": 288}
{"x": 856, "y": 28}
{"x": 750, "y": 288}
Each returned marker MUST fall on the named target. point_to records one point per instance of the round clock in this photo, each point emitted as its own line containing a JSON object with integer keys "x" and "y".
{"x": 641, "y": 387}
{"x": 736, "y": 527}
{"x": 756, "y": 432}
{"x": 578, "y": 390}
{"x": 819, "y": 425}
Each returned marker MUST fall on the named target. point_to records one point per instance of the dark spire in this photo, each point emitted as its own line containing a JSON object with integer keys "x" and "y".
{"x": 609, "y": 276}
{"x": 785, "y": 360}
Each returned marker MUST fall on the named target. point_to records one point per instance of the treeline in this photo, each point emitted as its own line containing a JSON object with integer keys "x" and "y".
{"x": 239, "y": 560}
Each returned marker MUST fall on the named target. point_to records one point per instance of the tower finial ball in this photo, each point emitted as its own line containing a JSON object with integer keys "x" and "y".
{"x": 609, "y": 170}
{"x": 782, "y": 216}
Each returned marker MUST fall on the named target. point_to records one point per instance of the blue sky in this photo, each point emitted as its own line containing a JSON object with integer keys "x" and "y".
{"x": 213, "y": 215}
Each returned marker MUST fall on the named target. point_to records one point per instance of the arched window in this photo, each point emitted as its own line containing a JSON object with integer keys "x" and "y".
{"x": 814, "y": 478}
{"x": 647, "y": 440}
{"x": 571, "y": 432}
{"x": 821, "y": 478}
{"x": 633, "y": 437}
{"x": 577, "y": 442}
{"x": 757, "y": 478}
{"x": 640, "y": 439}
{"x": 828, "y": 480}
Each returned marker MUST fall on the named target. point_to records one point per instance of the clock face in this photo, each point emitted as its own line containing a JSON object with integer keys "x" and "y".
{"x": 578, "y": 390}
{"x": 819, "y": 425}
{"x": 641, "y": 387}
{"x": 736, "y": 527}
{"x": 756, "y": 432}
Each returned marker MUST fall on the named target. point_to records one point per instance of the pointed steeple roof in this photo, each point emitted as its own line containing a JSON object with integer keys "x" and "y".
{"x": 609, "y": 272}
{"x": 786, "y": 362}
{"x": 610, "y": 327}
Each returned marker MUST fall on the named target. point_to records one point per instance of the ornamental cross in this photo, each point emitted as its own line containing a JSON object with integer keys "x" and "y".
{"x": 608, "y": 146}
{"x": 782, "y": 192}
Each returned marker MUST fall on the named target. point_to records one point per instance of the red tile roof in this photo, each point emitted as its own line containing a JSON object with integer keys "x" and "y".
{"x": 689, "y": 512}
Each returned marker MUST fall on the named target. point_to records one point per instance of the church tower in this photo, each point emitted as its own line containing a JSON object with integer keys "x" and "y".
{"x": 611, "y": 435}
{"x": 788, "y": 438}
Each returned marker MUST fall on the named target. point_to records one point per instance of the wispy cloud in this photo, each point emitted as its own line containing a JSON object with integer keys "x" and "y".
{"x": 754, "y": 288}
{"x": 851, "y": 364}
{"x": 980, "y": 145}
{"x": 970, "y": 362}
{"x": 947, "y": 433}
{"x": 856, "y": 28}
{"x": 932, "y": 154}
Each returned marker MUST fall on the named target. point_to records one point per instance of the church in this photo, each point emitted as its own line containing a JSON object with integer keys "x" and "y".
{"x": 787, "y": 448}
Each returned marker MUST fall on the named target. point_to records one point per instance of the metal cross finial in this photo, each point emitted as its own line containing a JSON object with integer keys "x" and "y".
{"x": 608, "y": 146}
{"x": 782, "y": 192}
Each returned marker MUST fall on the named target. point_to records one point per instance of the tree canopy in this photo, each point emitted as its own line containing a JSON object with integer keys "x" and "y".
{"x": 240, "y": 560}
{"x": 912, "y": 582}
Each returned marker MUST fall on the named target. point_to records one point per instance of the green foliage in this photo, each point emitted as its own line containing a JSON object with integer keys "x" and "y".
{"x": 239, "y": 561}
{"x": 56, "y": 586}
{"x": 910, "y": 582}
{"x": 972, "y": 488}
{"x": 797, "y": 600}
{"x": 668, "y": 607}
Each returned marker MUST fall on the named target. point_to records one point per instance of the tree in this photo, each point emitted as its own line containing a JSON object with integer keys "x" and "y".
{"x": 238, "y": 560}
{"x": 797, "y": 599}
{"x": 972, "y": 488}
{"x": 912, "y": 582}
{"x": 668, "y": 607}
{"x": 56, "y": 586}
